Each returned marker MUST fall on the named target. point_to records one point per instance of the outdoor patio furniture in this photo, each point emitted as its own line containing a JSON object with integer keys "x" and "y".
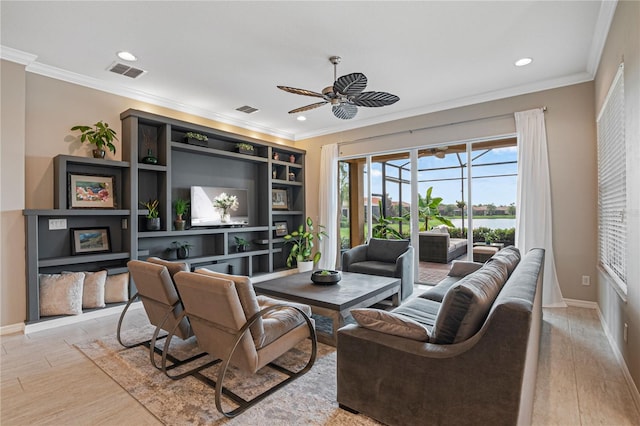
{"x": 439, "y": 247}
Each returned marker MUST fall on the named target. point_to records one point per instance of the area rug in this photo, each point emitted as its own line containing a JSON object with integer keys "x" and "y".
{"x": 309, "y": 400}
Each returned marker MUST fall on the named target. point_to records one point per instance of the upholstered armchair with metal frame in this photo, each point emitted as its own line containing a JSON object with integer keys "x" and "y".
{"x": 248, "y": 332}
{"x": 157, "y": 292}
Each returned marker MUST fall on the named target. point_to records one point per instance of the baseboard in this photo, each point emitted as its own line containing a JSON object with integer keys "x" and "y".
{"x": 623, "y": 365}
{"x": 581, "y": 304}
{"x": 74, "y": 319}
{"x": 12, "y": 329}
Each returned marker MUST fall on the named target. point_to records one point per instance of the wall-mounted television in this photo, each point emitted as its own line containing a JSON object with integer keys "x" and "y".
{"x": 204, "y": 214}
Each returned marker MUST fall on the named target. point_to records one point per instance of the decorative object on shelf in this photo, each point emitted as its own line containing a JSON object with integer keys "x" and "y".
{"x": 150, "y": 159}
{"x": 279, "y": 199}
{"x": 90, "y": 240}
{"x": 280, "y": 229}
{"x": 292, "y": 158}
{"x": 181, "y": 248}
{"x": 301, "y": 241}
{"x": 274, "y": 173}
{"x": 101, "y": 135}
{"x": 276, "y": 156}
{"x": 153, "y": 221}
{"x": 326, "y": 277}
{"x": 91, "y": 191}
{"x": 245, "y": 148}
{"x": 226, "y": 202}
{"x": 241, "y": 244}
{"x": 181, "y": 206}
{"x": 193, "y": 138}
{"x": 292, "y": 177}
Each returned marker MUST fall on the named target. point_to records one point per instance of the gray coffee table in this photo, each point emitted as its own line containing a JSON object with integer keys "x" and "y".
{"x": 332, "y": 301}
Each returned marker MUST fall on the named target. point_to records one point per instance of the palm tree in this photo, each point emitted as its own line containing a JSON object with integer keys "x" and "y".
{"x": 461, "y": 205}
{"x": 428, "y": 209}
{"x": 382, "y": 227}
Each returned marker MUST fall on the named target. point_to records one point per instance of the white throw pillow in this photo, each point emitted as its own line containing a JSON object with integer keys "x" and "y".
{"x": 117, "y": 288}
{"x": 61, "y": 294}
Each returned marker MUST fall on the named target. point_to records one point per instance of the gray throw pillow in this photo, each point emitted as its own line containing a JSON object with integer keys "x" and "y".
{"x": 390, "y": 323}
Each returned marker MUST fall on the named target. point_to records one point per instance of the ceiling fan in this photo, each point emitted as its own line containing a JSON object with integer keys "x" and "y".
{"x": 439, "y": 152}
{"x": 345, "y": 95}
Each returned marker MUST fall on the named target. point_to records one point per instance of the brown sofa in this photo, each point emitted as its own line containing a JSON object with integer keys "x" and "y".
{"x": 438, "y": 247}
{"x": 478, "y": 363}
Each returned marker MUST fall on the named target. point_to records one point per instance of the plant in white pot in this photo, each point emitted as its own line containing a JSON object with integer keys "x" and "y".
{"x": 301, "y": 241}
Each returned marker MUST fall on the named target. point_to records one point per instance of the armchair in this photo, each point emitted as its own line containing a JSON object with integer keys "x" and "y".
{"x": 242, "y": 330}
{"x": 388, "y": 258}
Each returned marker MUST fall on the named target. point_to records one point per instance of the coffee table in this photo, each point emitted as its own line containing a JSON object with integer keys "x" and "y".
{"x": 332, "y": 301}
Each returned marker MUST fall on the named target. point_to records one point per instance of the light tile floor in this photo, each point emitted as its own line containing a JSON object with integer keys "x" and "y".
{"x": 45, "y": 380}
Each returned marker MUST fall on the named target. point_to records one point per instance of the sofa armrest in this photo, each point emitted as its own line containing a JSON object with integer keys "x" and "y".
{"x": 404, "y": 270}
{"x": 353, "y": 255}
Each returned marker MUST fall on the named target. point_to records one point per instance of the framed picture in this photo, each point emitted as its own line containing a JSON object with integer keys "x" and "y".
{"x": 280, "y": 229}
{"x": 90, "y": 240}
{"x": 91, "y": 191}
{"x": 279, "y": 199}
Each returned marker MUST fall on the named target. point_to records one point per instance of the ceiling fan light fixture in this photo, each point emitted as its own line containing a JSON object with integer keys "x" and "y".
{"x": 301, "y": 118}
{"x": 523, "y": 62}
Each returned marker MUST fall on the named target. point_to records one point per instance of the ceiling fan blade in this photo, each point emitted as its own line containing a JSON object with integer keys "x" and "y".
{"x": 301, "y": 91}
{"x": 345, "y": 111}
{"x": 374, "y": 99}
{"x": 308, "y": 107}
{"x": 350, "y": 84}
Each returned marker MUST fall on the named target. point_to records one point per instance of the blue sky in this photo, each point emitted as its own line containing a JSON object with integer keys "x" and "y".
{"x": 496, "y": 190}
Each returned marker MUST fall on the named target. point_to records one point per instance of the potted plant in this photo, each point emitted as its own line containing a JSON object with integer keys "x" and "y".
{"x": 301, "y": 241}
{"x": 181, "y": 248}
{"x": 241, "y": 244}
{"x": 226, "y": 202}
{"x": 181, "y": 206}
{"x": 101, "y": 135}
{"x": 153, "y": 221}
{"x": 245, "y": 148}
{"x": 194, "y": 138}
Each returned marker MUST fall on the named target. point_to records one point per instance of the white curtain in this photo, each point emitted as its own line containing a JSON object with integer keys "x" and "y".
{"x": 533, "y": 201}
{"x": 328, "y": 205}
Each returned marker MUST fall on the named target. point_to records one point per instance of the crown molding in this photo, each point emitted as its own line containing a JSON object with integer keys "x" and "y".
{"x": 603, "y": 24}
{"x": 17, "y": 56}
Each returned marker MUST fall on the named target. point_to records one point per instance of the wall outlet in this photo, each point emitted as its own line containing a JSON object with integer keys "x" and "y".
{"x": 625, "y": 333}
{"x": 586, "y": 280}
{"x": 55, "y": 224}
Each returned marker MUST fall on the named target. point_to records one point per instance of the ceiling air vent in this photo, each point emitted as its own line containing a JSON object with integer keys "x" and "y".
{"x": 126, "y": 70}
{"x": 247, "y": 109}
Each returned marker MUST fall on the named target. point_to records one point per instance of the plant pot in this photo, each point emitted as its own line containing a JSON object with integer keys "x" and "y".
{"x": 98, "y": 153}
{"x": 332, "y": 277}
{"x": 153, "y": 224}
{"x": 246, "y": 151}
{"x": 182, "y": 252}
{"x": 179, "y": 224}
{"x": 305, "y": 266}
{"x": 197, "y": 142}
{"x": 241, "y": 249}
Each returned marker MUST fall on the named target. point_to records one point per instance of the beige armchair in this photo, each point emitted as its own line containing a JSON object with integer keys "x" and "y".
{"x": 243, "y": 330}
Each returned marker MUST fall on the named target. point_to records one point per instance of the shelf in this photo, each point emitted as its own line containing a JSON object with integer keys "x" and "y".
{"x": 277, "y": 182}
{"x": 202, "y": 231}
{"x": 99, "y": 162}
{"x": 76, "y": 212}
{"x": 287, "y": 212}
{"x": 216, "y": 258}
{"x": 152, "y": 167}
{"x": 83, "y": 258}
{"x": 181, "y": 146}
{"x": 286, "y": 163}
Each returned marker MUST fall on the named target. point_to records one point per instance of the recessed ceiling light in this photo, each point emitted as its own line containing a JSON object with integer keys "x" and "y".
{"x": 127, "y": 56}
{"x": 301, "y": 118}
{"x": 523, "y": 61}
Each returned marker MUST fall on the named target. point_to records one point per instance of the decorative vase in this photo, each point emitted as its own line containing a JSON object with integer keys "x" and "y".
{"x": 150, "y": 159}
{"x": 179, "y": 224}
{"x": 305, "y": 266}
{"x": 153, "y": 224}
{"x": 276, "y": 156}
{"x": 326, "y": 277}
{"x": 182, "y": 252}
{"x": 292, "y": 177}
{"x": 226, "y": 217}
{"x": 98, "y": 153}
{"x": 292, "y": 158}
{"x": 241, "y": 248}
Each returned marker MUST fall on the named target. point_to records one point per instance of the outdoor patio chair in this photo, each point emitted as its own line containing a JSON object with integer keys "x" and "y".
{"x": 243, "y": 330}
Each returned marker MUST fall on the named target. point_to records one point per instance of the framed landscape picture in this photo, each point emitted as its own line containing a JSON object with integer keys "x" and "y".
{"x": 91, "y": 191}
{"x": 90, "y": 240}
{"x": 279, "y": 199}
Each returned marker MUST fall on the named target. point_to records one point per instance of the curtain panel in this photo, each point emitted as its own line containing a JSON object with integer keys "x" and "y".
{"x": 328, "y": 205}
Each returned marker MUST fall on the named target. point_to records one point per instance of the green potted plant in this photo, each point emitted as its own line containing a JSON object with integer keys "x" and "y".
{"x": 101, "y": 135}
{"x": 181, "y": 206}
{"x": 245, "y": 148}
{"x": 241, "y": 244}
{"x": 301, "y": 241}
{"x": 198, "y": 139}
{"x": 181, "y": 248}
{"x": 153, "y": 221}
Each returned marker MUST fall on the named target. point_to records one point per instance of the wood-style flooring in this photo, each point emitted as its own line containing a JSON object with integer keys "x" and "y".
{"x": 45, "y": 380}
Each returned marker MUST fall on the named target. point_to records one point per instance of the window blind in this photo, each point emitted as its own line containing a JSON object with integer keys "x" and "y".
{"x": 612, "y": 185}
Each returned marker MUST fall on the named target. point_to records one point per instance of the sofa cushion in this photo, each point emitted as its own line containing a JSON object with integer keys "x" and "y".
{"x": 437, "y": 292}
{"x": 510, "y": 256}
{"x": 463, "y": 268}
{"x": 386, "y": 250}
{"x": 390, "y": 323}
{"x": 420, "y": 310}
{"x": 466, "y": 305}
{"x": 372, "y": 267}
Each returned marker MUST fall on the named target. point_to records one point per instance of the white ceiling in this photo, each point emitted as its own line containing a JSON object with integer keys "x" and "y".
{"x": 209, "y": 58}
